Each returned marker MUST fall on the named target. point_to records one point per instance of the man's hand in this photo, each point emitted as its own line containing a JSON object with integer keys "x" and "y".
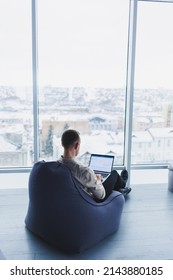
{"x": 99, "y": 177}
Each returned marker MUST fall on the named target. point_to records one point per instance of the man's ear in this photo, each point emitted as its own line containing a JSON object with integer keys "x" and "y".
{"x": 76, "y": 145}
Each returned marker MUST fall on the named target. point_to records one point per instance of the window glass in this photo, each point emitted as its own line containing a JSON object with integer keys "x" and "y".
{"x": 153, "y": 97}
{"x": 82, "y": 74}
{"x": 16, "y": 132}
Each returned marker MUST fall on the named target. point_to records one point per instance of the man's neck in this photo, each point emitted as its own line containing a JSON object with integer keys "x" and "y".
{"x": 69, "y": 154}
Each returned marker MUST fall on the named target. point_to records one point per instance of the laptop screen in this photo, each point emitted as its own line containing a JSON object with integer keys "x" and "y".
{"x": 101, "y": 163}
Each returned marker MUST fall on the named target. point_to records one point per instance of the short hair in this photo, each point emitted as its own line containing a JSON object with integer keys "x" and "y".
{"x": 69, "y": 137}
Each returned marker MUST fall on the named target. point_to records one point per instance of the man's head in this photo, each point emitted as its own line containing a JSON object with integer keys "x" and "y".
{"x": 70, "y": 141}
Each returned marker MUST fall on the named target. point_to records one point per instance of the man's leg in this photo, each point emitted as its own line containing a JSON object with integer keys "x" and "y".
{"x": 113, "y": 182}
{"x": 117, "y": 182}
{"x": 120, "y": 183}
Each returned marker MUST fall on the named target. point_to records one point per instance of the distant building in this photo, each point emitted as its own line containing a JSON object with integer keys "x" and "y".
{"x": 63, "y": 123}
{"x": 168, "y": 114}
{"x": 100, "y": 123}
{"x": 143, "y": 121}
{"x": 152, "y": 145}
{"x": 10, "y": 155}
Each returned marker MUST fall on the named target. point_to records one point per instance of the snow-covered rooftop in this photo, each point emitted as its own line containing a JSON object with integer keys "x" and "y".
{"x": 5, "y": 146}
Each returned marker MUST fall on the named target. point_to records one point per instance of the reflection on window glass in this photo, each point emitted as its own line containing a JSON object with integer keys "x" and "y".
{"x": 16, "y": 135}
{"x": 82, "y": 68}
{"x": 153, "y": 99}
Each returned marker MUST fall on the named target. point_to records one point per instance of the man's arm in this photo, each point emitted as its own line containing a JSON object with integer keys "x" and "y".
{"x": 92, "y": 182}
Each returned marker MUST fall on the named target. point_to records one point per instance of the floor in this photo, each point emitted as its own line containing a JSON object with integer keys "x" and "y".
{"x": 145, "y": 231}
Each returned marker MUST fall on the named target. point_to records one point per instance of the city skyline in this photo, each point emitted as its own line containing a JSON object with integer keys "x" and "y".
{"x": 96, "y": 118}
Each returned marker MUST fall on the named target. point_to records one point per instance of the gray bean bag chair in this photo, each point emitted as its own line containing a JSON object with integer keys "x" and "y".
{"x": 64, "y": 215}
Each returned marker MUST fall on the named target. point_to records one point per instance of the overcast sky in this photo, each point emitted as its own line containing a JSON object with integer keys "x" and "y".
{"x": 84, "y": 43}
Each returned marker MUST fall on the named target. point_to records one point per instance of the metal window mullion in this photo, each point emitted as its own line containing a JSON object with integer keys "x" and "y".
{"x": 35, "y": 79}
{"x": 130, "y": 84}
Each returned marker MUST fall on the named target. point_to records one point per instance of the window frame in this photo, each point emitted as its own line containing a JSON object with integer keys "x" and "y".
{"x": 130, "y": 73}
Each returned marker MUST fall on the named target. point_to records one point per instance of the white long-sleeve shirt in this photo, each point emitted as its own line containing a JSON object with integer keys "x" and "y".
{"x": 86, "y": 177}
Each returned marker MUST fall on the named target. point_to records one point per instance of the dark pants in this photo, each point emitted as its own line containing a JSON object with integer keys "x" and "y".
{"x": 112, "y": 182}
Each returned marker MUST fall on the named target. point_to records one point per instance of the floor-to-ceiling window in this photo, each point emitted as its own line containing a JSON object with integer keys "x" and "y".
{"x": 82, "y": 47}
{"x": 152, "y": 135}
{"x": 16, "y": 132}
{"x": 82, "y": 55}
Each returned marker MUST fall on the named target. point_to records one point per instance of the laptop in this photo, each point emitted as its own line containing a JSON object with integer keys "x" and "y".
{"x": 101, "y": 164}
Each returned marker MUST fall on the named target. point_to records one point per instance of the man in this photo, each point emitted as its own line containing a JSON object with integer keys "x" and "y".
{"x": 91, "y": 182}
